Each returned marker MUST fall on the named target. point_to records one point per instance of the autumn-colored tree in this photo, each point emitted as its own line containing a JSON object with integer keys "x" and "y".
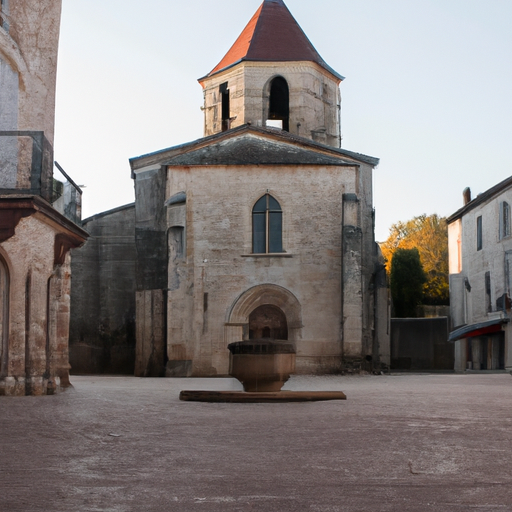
{"x": 429, "y": 234}
{"x": 407, "y": 280}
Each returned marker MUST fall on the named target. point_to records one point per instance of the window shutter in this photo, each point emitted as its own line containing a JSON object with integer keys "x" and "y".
{"x": 501, "y": 221}
{"x": 506, "y": 219}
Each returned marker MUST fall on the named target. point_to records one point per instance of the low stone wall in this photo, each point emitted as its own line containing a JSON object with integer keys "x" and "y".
{"x": 421, "y": 344}
{"x": 432, "y": 311}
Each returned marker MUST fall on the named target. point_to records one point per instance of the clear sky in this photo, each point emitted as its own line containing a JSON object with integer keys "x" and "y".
{"x": 428, "y": 90}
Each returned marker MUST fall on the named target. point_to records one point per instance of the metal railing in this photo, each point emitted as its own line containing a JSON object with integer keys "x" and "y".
{"x": 67, "y": 195}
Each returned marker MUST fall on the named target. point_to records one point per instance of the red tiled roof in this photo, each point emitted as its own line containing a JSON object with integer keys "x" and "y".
{"x": 272, "y": 35}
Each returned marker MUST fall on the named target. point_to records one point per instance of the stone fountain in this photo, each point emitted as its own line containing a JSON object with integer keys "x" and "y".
{"x": 262, "y": 366}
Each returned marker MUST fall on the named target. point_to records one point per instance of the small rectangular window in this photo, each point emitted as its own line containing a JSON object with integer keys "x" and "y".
{"x": 205, "y": 313}
{"x": 504, "y": 220}
{"x": 225, "y": 108}
{"x": 479, "y": 233}
{"x": 488, "y": 301}
{"x": 508, "y": 272}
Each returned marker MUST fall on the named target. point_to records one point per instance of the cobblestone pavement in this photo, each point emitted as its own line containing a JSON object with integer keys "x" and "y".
{"x": 398, "y": 443}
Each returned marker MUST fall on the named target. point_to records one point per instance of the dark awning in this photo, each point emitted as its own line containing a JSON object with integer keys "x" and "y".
{"x": 478, "y": 329}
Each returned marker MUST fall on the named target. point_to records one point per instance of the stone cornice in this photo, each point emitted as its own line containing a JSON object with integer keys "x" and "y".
{"x": 15, "y": 207}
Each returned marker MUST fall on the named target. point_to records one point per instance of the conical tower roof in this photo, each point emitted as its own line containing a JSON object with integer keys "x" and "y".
{"x": 272, "y": 35}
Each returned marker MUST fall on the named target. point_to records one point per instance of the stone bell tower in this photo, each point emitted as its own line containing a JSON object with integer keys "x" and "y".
{"x": 273, "y": 76}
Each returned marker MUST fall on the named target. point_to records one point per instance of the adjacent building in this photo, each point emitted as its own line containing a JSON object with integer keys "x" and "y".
{"x": 480, "y": 253}
{"x": 38, "y": 214}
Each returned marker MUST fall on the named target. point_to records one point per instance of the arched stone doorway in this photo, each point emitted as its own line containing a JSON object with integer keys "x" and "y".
{"x": 268, "y": 321}
{"x": 4, "y": 316}
{"x": 265, "y": 296}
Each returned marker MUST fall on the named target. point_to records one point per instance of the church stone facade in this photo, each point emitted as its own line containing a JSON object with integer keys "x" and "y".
{"x": 263, "y": 228}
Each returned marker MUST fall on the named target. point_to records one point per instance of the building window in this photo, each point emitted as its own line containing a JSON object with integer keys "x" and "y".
{"x": 224, "y": 99}
{"x": 279, "y": 104}
{"x": 267, "y": 226}
{"x": 508, "y": 272}
{"x": 488, "y": 301}
{"x": 479, "y": 233}
{"x": 504, "y": 220}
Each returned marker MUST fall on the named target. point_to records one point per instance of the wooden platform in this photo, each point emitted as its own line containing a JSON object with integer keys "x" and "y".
{"x": 254, "y": 398}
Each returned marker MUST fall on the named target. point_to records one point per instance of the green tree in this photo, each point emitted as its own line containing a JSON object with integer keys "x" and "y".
{"x": 429, "y": 234}
{"x": 407, "y": 280}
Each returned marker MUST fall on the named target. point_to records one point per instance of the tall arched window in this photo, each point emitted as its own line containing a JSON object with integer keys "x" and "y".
{"x": 4, "y": 316}
{"x": 267, "y": 226}
{"x": 279, "y": 102}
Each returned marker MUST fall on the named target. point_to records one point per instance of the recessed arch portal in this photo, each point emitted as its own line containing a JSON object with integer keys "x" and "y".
{"x": 267, "y": 295}
{"x": 268, "y": 321}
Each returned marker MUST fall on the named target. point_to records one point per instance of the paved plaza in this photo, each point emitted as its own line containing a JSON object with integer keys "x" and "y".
{"x": 398, "y": 443}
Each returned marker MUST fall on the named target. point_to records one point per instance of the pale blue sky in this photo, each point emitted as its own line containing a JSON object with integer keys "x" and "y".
{"x": 428, "y": 90}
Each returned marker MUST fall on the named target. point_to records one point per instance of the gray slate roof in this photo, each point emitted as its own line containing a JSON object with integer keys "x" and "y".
{"x": 274, "y": 146}
{"x": 250, "y": 150}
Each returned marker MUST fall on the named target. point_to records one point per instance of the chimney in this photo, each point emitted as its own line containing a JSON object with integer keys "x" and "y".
{"x": 466, "y": 194}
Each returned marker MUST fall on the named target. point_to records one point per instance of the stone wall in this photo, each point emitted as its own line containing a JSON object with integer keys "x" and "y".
{"x": 218, "y": 267}
{"x": 421, "y": 344}
{"x": 425, "y": 311}
{"x": 314, "y": 98}
{"x": 28, "y": 69}
{"x": 34, "y": 26}
{"x": 102, "y": 329}
{"x": 35, "y": 258}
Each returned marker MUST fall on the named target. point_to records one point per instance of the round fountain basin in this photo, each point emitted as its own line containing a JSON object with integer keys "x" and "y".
{"x": 262, "y": 365}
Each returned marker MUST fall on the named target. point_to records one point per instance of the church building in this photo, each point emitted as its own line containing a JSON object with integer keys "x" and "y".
{"x": 264, "y": 228}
